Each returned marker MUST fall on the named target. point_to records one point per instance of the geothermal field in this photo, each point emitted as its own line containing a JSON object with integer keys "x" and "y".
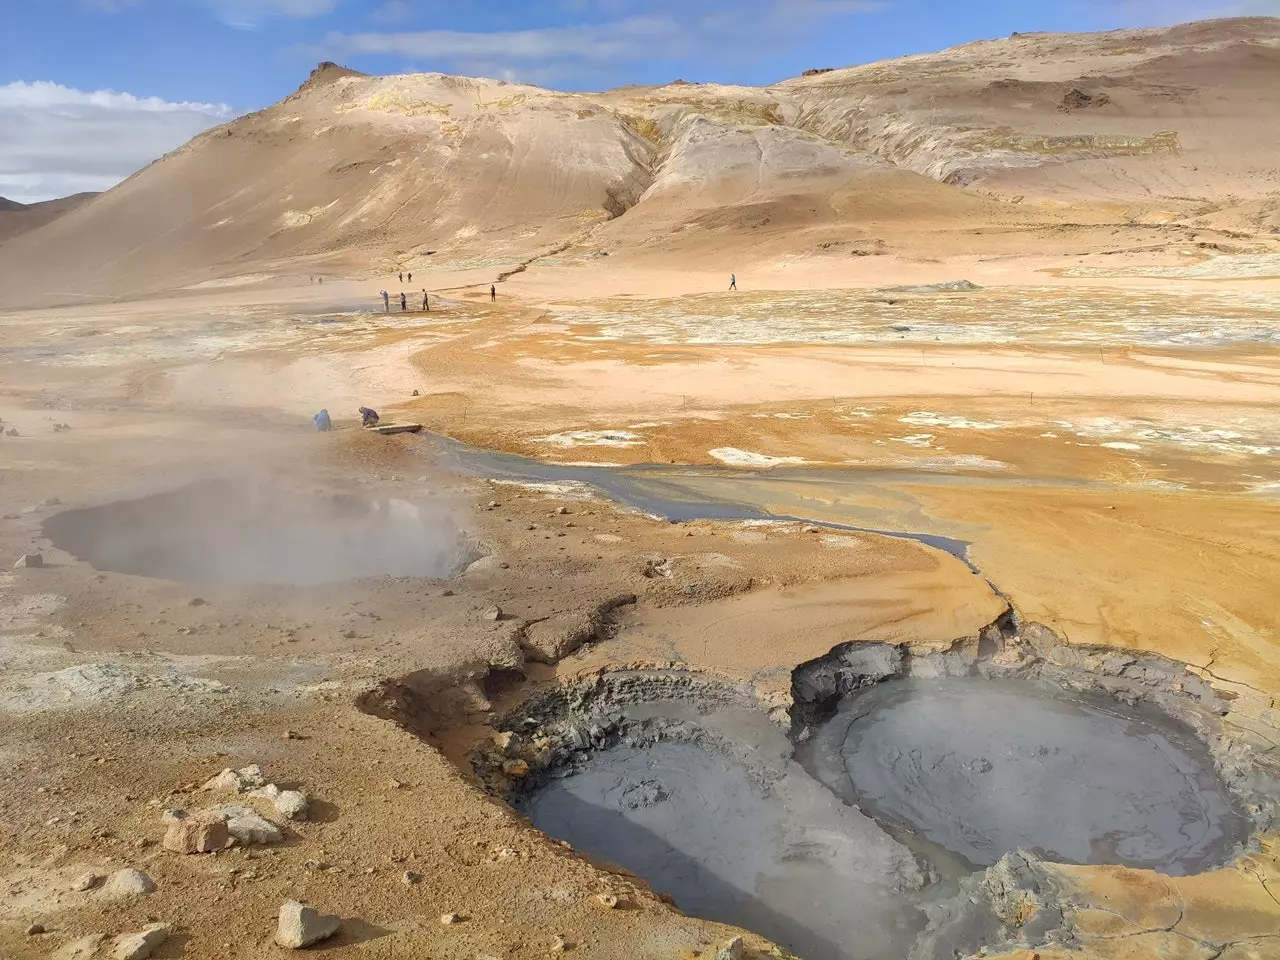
{"x": 918, "y": 599}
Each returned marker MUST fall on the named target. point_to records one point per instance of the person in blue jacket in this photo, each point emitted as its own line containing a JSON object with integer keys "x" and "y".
{"x": 322, "y": 421}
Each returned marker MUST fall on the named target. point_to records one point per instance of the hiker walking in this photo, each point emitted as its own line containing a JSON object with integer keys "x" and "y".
{"x": 403, "y": 302}
{"x": 733, "y": 281}
{"x": 402, "y": 276}
{"x": 386, "y": 302}
{"x": 493, "y": 293}
{"x": 425, "y": 305}
{"x": 411, "y": 276}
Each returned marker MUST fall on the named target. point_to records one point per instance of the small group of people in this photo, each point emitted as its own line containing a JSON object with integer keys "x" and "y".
{"x": 410, "y": 276}
{"x": 323, "y": 423}
{"x": 404, "y": 302}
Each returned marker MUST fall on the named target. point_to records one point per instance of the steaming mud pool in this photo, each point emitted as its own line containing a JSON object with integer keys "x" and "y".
{"x": 836, "y": 847}
{"x": 246, "y": 531}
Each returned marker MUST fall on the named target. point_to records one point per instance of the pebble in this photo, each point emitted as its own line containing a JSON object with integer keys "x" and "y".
{"x": 609, "y": 900}
{"x": 493, "y": 613}
{"x": 409, "y": 878}
{"x": 300, "y": 926}
{"x": 35, "y": 930}
{"x": 449, "y": 919}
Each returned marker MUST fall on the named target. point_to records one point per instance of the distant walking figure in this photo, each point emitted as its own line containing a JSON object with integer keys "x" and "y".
{"x": 733, "y": 281}
{"x": 386, "y": 302}
{"x": 425, "y": 305}
{"x": 402, "y": 276}
{"x": 368, "y": 418}
{"x": 411, "y": 278}
{"x": 493, "y": 293}
{"x": 403, "y": 302}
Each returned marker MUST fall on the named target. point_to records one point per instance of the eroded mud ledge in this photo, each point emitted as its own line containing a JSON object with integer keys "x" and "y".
{"x": 665, "y": 715}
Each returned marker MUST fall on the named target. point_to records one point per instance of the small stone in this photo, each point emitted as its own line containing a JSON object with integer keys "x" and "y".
{"x": 348, "y": 634}
{"x": 292, "y": 804}
{"x": 89, "y": 881}
{"x": 316, "y": 865}
{"x": 129, "y": 883}
{"x": 35, "y": 930}
{"x": 409, "y": 878}
{"x": 492, "y": 504}
{"x": 560, "y": 944}
{"x": 493, "y": 613}
{"x": 300, "y": 926}
{"x": 449, "y": 919}
{"x": 417, "y": 393}
{"x": 29, "y": 561}
{"x": 197, "y": 602}
{"x": 396, "y": 784}
{"x": 51, "y": 502}
{"x": 291, "y": 735}
{"x": 203, "y": 832}
{"x": 139, "y": 946}
{"x": 561, "y": 511}
{"x": 11, "y": 432}
{"x": 608, "y": 900}
{"x": 810, "y": 529}
{"x": 732, "y": 950}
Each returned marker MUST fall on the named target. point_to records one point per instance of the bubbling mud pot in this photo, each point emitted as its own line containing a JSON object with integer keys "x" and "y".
{"x": 245, "y": 531}
{"x": 981, "y": 767}
{"x": 901, "y": 799}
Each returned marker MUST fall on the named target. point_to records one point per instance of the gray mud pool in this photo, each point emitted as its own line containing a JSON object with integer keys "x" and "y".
{"x": 828, "y": 849}
{"x": 981, "y": 767}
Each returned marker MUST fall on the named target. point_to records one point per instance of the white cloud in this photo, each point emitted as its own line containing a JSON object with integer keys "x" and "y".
{"x": 393, "y": 11}
{"x": 247, "y": 14}
{"x": 656, "y": 30}
{"x": 59, "y": 140}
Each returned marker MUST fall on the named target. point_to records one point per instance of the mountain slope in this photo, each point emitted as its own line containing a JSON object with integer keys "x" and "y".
{"x": 354, "y": 172}
{"x": 17, "y": 218}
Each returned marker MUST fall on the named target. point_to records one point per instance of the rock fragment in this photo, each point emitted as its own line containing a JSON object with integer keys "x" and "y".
{"x": 241, "y": 781}
{"x": 292, "y": 804}
{"x": 300, "y": 926}
{"x": 139, "y": 946}
{"x": 449, "y": 919}
{"x": 35, "y": 930}
{"x": 129, "y": 883}
{"x": 29, "y": 561}
{"x": 248, "y": 826}
{"x": 89, "y": 881}
{"x": 608, "y": 900}
{"x": 202, "y": 832}
{"x": 732, "y": 950}
{"x": 493, "y": 613}
{"x": 409, "y": 878}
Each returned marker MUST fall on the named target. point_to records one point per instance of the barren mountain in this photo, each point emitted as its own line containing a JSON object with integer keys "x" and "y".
{"x": 16, "y": 218}
{"x": 353, "y": 170}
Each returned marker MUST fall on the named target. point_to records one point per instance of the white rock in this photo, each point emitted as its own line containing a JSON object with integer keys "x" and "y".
{"x": 247, "y": 826}
{"x": 241, "y": 781}
{"x": 300, "y": 926}
{"x": 292, "y": 804}
{"x": 129, "y": 883}
{"x": 732, "y": 950}
{"x": 139, "y": 946}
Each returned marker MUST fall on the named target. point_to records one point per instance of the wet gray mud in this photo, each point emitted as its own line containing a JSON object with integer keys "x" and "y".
{"x": 665, "y": 491}
{"x": 981, "y": 767}
{"x": 709, "y": 809}
{"x": 244, "y": 531}
{"x": 906, "y": 804}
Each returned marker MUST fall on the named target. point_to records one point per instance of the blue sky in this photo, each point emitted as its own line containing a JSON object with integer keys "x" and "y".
{"x": 92, "y": 89}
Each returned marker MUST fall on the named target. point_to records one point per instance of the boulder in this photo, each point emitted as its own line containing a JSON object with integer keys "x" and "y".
{"x": 29, "y": 561}
{"x": 732, "y": 950}
{"x": 129, "y": 883}
{"x": 139, "y": 946}
{"x": 202, "y": 832}
{"x": 300, "y": 926}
